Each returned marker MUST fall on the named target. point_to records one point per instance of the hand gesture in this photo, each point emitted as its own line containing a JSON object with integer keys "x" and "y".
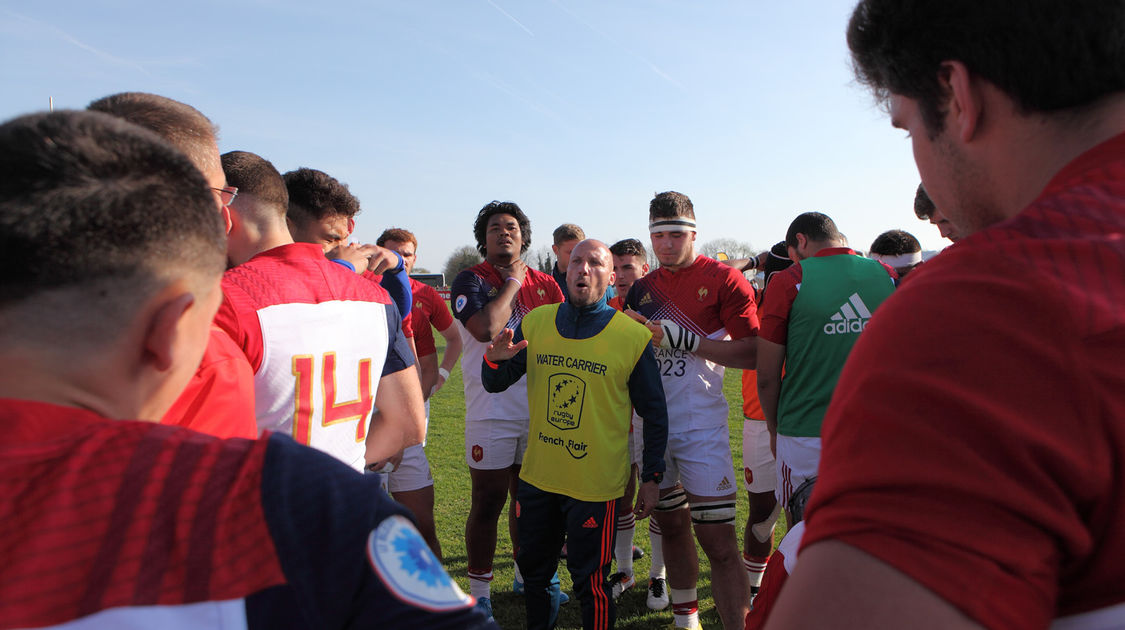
{"x": 654, "y": 327}
{"x": 517, "y": 270}
{"x": 502, "y": 348}
{"x": 354, "y": 253}
{"x": 381, "y": 260}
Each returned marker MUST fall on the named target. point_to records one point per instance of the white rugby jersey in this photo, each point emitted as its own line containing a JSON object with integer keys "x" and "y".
{"x": 319, "y": 338}
{"x": 712, "y": 300}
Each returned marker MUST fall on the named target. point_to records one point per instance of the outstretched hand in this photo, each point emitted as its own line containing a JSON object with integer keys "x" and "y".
{"x": 502, "y": 348}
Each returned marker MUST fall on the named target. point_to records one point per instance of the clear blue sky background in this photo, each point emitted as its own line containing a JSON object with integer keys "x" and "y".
{"x": 578, "y": 110}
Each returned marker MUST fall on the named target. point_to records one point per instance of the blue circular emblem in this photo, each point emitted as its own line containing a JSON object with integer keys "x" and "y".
{"x": 408, "y": 568}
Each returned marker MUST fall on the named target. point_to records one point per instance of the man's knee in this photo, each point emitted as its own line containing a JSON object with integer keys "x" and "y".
{"x": 762, "y": 529}
{"x": 720, "y": 512}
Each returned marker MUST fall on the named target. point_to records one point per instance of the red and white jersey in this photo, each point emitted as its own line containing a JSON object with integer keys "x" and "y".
{"x": 219, "y": 399}
{"x": 429, "y": 312}
{"x": 975, "y": 438}
{"x": 319, "y": 339}
{"x": 712, "y": 300}
{"x": 472, "y": 289}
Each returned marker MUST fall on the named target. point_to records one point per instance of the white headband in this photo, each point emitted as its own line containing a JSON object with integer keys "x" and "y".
{"x": 677, "y": 224}
{"x": 901, "y": 260}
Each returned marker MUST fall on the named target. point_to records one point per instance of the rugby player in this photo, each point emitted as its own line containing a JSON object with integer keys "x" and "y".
{"x": 114, "y": 253}
{"x": 925, "y": 209}
{"x": 219, "y": 399}
{"x": 702, "y": 314}
{"x": 588, "y": 366}
{"x": 630, "y": 261}
{"x": 897, "y": 249}
{"x": 972, "y": 467}
{"x": 812, "y": 315}
{"x": 565, "y": 237}
{"x": 325, "y": 344}
{"x": 487, "y": 298}
{"x": 412, "y": 482}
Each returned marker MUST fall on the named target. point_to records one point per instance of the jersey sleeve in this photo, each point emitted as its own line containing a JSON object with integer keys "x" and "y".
{"x": 440, "y": 317}
{"x": 468, "y": 295}
{"x": 946, "y": 458}
{"x": 646, "y": 391}
{"x": 399, "y": 354}
{"x": 349, "y": 553}
{"x": 737, "y": 309}
{"x": 777, "y": 301}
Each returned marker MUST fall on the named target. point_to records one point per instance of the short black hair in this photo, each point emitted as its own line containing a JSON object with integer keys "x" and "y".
{"x": 182, "y": 125}
{"x": 816, "y": 226}
{"x": 669, "y": 205}
{"x": 628, "y": 247}
{"x": 314, "y": 195}
{"x": 895, "y": 243}
{"x": 91, "y": 202}
{"x": 923, "y": 206}
{"x": 1046, "y": 55}
{"x": 254, "y": 175}
{"x": 480, "y": 226}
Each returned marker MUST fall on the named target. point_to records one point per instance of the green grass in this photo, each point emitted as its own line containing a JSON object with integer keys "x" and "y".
{"x": 445, "y": 449}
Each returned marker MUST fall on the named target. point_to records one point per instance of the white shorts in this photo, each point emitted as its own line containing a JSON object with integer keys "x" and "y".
{"x": 495, "y": 444}
{"x": 701, "y": 461}
{"x": 637, "y": 441}
{"x": 412, "y": 474}
{"x": 759, "y": 470}
{"x": 797, "y": 461}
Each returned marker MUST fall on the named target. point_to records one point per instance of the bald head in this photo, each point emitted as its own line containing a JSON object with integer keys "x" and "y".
{"x": 589, "y": 273}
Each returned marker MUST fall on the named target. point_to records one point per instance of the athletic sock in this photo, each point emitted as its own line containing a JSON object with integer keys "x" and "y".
{"x": 479, "y": 582}
{"x": 755, "y": 568}
{"x": 519, "y": 576}
{"x": 623, "y": 548}
{"x": 685, "y": 607}
{"x": 657, "y": 540}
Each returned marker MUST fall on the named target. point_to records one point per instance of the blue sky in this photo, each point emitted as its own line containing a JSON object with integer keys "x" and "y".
{"x": 577, "y": 110}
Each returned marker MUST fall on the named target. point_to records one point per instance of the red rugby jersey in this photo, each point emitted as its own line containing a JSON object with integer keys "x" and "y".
{"x": 429, "y": 310}
{"x": 975, "y": 440}
{"x": 219, "y": 399}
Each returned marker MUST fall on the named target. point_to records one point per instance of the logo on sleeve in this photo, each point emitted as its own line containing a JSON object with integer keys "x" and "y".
{"x": 459, "y": 303}
{"x": 408, "y": 568}
{"x": 702, "y": 293}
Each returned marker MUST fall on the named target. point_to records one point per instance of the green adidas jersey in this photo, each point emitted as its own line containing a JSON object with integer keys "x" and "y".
{"x": 835, "y": 299}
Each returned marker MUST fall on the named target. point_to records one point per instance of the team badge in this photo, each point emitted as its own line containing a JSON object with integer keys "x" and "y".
{"x": 408, "y": 568}
{"x": 566, "y": 394}
{"x": 542, "y": 293}
{"x": 702, "y": 293}
{"x": 459, "y": 303}
{"x": 749, "y": 475}
{"x": 478, "y": 452}
{"x": 493, "y": 291}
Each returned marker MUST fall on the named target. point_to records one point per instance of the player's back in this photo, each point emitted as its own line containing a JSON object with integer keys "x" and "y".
{"x": 319, "y": 338}
{"x": 125, "y": 524}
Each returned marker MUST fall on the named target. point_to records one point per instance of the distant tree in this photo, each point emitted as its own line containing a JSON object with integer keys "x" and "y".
{"x": 420, "y": 270}
{"x": 461, "y": 259}
{"x": 541, "y": 258}
{"x": 731, "y": 247}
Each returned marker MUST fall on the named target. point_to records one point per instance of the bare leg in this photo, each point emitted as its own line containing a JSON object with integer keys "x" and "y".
{"x": 729, "y": 584}
{"x": 421, "y": 503}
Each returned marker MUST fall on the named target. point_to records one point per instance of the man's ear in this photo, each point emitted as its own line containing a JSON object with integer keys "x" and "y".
{"x": 227, "y": 218}
{"x": 163, "y": 329}
{"x": 966, "y": 101}
{"x": 612, "y": 278}
{"x": 555, "y": 248}
{"x": 351, "y": 226}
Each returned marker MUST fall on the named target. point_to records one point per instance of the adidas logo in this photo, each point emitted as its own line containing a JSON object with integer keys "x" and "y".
{"x": 724, "y": 484}
{"x": 851, "y": 318}
{"x": 645, "y": 300}
{"x": 590, "y": 523}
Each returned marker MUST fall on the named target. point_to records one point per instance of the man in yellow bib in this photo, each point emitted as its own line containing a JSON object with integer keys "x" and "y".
{"x": 587, "y": 367}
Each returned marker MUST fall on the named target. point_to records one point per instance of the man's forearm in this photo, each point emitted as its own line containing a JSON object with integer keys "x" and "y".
{"x": 734, "y": 353}
{"x": 494, "y": 316}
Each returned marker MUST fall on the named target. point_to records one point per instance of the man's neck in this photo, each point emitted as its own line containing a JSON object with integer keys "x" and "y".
{"x": 1031, "y": 150}
{"x": 681, "y": 265}
{"x": 502, "y": 260}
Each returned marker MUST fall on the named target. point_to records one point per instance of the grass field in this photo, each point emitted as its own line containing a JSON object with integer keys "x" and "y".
{"x": 445, "y": 450}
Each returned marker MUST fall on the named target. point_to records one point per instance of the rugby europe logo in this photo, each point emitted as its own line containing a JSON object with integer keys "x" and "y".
{"x": 850, "y": 318}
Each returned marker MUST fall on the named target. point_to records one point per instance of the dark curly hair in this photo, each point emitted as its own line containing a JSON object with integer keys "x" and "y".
{"x": 315, "y": 194}
{"x": 628, "y": 247}
{"x": 480, "y": 226}
{"x": 895, "y": 243}
{"x": 1046, "y": 55}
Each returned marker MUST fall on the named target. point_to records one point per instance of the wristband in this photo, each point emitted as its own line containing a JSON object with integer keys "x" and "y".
{"x": 491, "y": 364}
{"x": 443, "y": 372}
{"x": 513, "y": 279}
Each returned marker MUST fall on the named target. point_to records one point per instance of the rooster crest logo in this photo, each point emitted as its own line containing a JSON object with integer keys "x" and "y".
{"x": 702, "y": 293}
{"x": 541, "y": 293}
